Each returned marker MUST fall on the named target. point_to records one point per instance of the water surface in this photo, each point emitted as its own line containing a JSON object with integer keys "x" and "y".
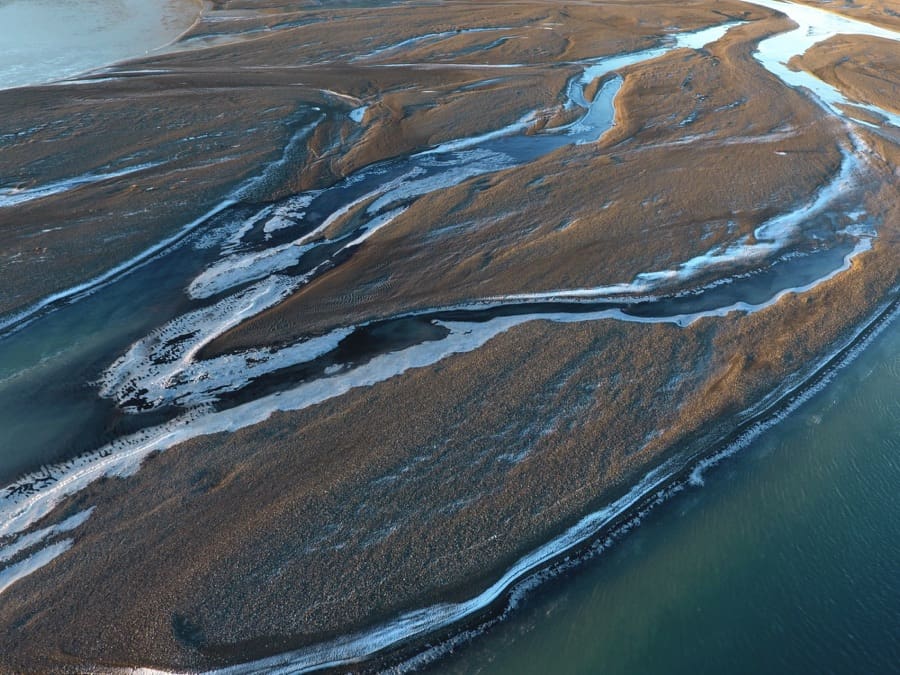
{"x": 46, "y": 40}
{"x": 785, "y": 561}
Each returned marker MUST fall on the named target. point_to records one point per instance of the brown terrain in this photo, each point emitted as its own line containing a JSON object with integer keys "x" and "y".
{"x": 425, "y": 487}
{"x": 863, "y": 68}
{"x": 213, "y": 116}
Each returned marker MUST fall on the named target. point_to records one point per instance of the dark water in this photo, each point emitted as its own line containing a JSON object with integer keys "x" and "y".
{"x": 786, "y": 561}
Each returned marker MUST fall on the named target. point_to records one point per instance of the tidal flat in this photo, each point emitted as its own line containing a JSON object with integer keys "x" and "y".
{"x": 328, "y": 328}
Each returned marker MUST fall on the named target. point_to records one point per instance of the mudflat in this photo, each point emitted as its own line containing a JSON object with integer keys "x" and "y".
{"x": 406, "y": 371}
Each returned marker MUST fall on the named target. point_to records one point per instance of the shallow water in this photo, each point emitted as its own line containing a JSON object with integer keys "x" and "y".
{"x": 46, "y": 40}
{"x": 785, "y": 561}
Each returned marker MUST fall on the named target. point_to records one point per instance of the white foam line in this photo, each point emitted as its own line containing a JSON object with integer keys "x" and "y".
{"x": 795, "y": 397}
{"x": 376, "y": 224}
{"x": 15, "y": 196}
{"x": 205, "y": 381}
{"x": 354, "y": 648}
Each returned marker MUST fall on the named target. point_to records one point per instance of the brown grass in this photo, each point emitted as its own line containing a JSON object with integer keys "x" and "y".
{"x": 865, "y": 69}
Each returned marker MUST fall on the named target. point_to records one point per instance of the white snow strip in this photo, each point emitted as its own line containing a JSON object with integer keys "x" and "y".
{"x": 376, "y": 224}
{"x": 33, "y": 538}
{"x": 96, "y": 282}
{"x": 32, "y": 563}
{"x": 235, "y": 270}
{"x": 463, "y": 143}
{"x": 464, "y": 165}
{"x": 353, "y": 648}
{"x": 157, "y": 361}
{"x": 17, "y": 196}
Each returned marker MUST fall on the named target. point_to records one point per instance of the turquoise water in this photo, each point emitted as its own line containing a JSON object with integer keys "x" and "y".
{"x": 45, "y": 40}
{"x": 787, "y": 560}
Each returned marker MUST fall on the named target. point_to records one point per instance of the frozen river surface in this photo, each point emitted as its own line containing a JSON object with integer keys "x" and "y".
{"x": 47, "y": 40}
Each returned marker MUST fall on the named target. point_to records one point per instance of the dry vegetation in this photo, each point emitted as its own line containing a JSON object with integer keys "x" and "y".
{"x": 865, "y": 69}
{"x": 211, "y": 117}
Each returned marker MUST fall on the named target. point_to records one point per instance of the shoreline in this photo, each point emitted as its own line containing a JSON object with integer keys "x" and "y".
{"x": 410, "y": 652}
